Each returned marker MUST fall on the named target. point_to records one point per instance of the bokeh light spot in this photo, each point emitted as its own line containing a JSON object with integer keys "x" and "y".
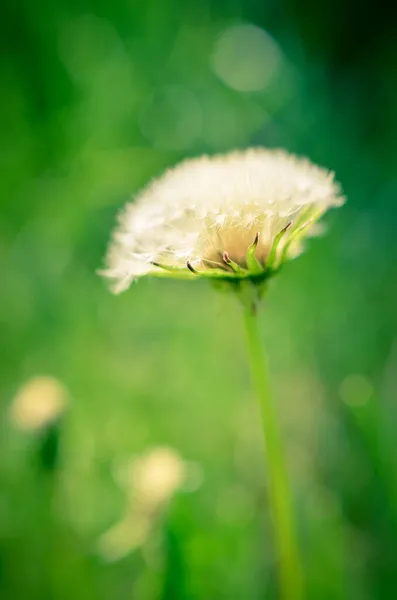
{"x": 246, "y": 58}
{"x": 356, "y": 390}
{"x": 172, "y": 118}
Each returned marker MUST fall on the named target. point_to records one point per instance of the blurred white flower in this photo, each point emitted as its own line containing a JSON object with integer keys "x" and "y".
{"x": 38, "y": 403}
{"x": 235, "y": 215}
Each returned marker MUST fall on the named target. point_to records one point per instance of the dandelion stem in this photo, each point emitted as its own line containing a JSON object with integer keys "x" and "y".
{"x": 290, "y": 575}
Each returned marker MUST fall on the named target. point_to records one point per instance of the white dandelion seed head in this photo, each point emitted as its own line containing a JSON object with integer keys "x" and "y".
{"x": 212, "y": 205}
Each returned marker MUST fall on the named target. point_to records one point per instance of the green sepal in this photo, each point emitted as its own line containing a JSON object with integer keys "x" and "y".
{"x": 233, "y": 265}
{"x": 295, "y": 237}
{"x": 271, "y": 260}
{"x": 252, "y": 262}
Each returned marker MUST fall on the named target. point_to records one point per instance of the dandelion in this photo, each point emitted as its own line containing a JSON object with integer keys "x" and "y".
{"x": 241, "y": 216}
{"x": 234, "y": 218}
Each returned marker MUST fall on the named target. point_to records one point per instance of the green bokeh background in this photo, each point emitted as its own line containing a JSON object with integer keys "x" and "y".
{"x": 97, "y": 98}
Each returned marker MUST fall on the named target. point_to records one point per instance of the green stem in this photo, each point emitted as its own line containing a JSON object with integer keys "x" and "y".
{"x": 290, "y": 575}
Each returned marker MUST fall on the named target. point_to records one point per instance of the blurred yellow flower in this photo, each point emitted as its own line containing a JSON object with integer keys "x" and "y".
{"x": 38, "y": 403}
{"x": 238, "y": 215}
{"x": 156, "y": 476}
{"x": 149, "y": 481}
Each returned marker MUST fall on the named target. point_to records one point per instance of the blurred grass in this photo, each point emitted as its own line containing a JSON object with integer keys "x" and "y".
{"x": 93, "y": 97}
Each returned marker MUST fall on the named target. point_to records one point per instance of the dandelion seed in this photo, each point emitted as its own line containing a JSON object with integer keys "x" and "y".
{"x": 251, "y": 206}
